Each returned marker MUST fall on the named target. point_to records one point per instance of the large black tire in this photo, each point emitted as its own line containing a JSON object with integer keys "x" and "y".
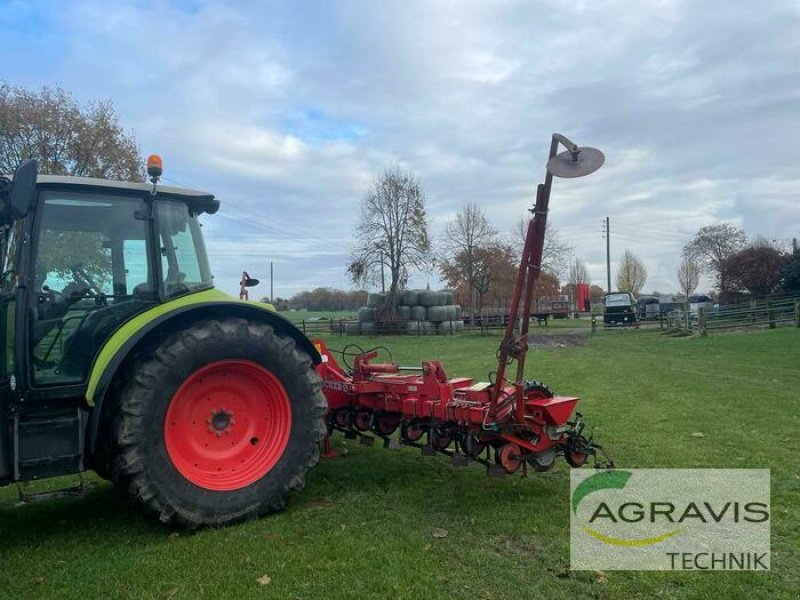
{"x": 140, "y": 463}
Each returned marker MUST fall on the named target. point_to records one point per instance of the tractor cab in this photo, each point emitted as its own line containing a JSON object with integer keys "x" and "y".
{"x": 82, "y": 256}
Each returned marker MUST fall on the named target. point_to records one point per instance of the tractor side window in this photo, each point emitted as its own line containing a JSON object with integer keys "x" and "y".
{"x": 91, "y": 274}
{"x": 184, "y": 265}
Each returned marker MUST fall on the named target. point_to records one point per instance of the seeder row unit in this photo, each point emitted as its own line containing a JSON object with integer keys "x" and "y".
{"x": 453, "y": 416}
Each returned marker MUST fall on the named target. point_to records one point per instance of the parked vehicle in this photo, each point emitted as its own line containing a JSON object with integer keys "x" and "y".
{"x": 699, "y": 301}
{"x": 647, "y": 307}
{"x": 666, "y": 304}
{"x": 619, "y": 309}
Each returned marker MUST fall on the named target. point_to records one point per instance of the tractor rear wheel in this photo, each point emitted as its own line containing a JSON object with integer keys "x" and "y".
{"x": 217, "y": 423}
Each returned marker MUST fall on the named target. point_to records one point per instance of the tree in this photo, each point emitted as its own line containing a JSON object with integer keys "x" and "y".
{"x": 596, "y": 294}
{"x": 688, "y": 275}
{"x": 756, "y": 268}
{"x": 496, "y": 274}
{"x": 392, "y": 231}
{"x": 469, "y": 232}
{"x": 578, "y": 272}
{"x": 66, "y": 138}
{"x": 790, "y": 275}
{"x": 555, "y": 252}
{"x": 711, "y": 246}
{"x": 631, "y": 274}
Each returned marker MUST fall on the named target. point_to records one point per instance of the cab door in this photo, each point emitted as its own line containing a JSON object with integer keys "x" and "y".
{"x": 10, "y": 243}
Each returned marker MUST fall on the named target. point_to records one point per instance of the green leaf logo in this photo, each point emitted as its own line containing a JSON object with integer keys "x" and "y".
{"x": 600, "y": 481}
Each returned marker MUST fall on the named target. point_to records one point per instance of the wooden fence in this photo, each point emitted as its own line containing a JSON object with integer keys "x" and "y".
{"x": 765, "y": 313}
{"x": 342, "y": 327}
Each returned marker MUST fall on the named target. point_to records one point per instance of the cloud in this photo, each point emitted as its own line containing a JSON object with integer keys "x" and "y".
{"x": 287, "y": 112}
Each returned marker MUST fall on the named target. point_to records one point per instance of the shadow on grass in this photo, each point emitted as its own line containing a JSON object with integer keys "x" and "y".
{"x": 100, "y": 510}
{"x": 365, "y": 476}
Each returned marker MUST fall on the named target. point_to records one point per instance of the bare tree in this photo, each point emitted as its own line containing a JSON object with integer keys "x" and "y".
{"x": 392, "y": 231}
{"x": 65, "y": 137}
{"x": 631, "y": 274}
{"x": 555, "y": 254}
{"x": 688, "y": 275}
{"x": 712, "y": 246}
{"x": 578, "y": 272}
{"x": 464, "y": 237}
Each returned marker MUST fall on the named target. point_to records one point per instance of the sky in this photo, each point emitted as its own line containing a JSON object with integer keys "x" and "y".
{"x": 287, "y": 111}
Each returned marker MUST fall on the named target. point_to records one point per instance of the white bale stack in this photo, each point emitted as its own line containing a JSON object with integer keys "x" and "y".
{"x": 422, "y": 311}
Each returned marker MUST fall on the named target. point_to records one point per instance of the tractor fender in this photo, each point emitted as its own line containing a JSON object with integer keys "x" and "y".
{"x": 117, "y": 348}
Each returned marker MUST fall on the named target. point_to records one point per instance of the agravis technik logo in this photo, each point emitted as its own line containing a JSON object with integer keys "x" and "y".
{"x": 668, "y": 519}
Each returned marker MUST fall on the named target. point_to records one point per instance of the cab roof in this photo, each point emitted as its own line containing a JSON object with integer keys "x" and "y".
{"x": 135, "y": 186}
{"x": 198, "y": 202}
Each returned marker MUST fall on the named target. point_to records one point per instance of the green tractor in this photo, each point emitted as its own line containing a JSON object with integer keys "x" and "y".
{"x": 118, "y": 355}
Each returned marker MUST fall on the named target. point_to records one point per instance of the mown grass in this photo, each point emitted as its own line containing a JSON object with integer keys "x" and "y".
{"x": 363, "y": 526}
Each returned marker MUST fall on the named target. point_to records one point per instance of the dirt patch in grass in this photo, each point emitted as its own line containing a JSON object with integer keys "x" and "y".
{"x": 558, "y": 340}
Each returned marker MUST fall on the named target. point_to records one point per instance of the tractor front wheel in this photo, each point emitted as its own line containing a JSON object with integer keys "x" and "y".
{"x": 217, "y": 423}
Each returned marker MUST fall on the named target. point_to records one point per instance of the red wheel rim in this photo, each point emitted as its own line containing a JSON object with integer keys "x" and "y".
{"x": 362, "y": 420}
{"x": 228, "y": 425}
{"x": 413, "y": 433}
{"x": 510, "y": 457}
{"x": 578, "y": 459}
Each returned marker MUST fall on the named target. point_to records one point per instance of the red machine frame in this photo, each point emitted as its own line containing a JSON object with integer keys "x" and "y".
{"x": 521, "y": 422}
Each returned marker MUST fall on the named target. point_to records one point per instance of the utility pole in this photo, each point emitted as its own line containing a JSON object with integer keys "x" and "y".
{"x": 607, "y": 235}
{"x": 794, "y": 246}
{"x": 271, "y": 297}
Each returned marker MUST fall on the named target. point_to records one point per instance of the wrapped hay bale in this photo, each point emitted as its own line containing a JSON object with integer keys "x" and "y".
{"x": 404, "y": 312}
{"x": 420, "y": 327}
{"x": 451, "y": 312}
{"x": 459, "y": 325}
{"x": 459, "y": 312}
{"x": 419, "y": 313}
{"x": 430, "y": 298}
{"x": 437, "y": 314}
{"x": 374, "y": 300}
{"x": 409, "y": 297}
{"x": 447, "y": 296}
{"x": 367, "y": 327}
{"x": 366, "y": 313}
{"x": 352, "y": 327}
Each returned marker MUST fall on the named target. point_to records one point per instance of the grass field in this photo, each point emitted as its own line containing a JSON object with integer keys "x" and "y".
{"x": 363, "y": 526}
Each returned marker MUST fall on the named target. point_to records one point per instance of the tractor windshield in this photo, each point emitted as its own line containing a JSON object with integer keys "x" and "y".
{"x": 92, "y": 271}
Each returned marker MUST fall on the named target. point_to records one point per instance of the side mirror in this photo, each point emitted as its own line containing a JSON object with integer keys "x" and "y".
{"x": 20, "y": 199}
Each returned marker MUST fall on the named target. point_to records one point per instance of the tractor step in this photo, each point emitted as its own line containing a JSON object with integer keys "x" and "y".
{"x": 48, "y": 444}
{"x": 77, "y": 491}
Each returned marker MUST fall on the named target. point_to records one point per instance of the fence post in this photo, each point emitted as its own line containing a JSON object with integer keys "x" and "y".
{"x": 771, "y": 315}
{"x": 701, "y": 321}
{"x": 752, "y": 312}
{"x": 797, "y": 314}
{"x": 594, "y": 323}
